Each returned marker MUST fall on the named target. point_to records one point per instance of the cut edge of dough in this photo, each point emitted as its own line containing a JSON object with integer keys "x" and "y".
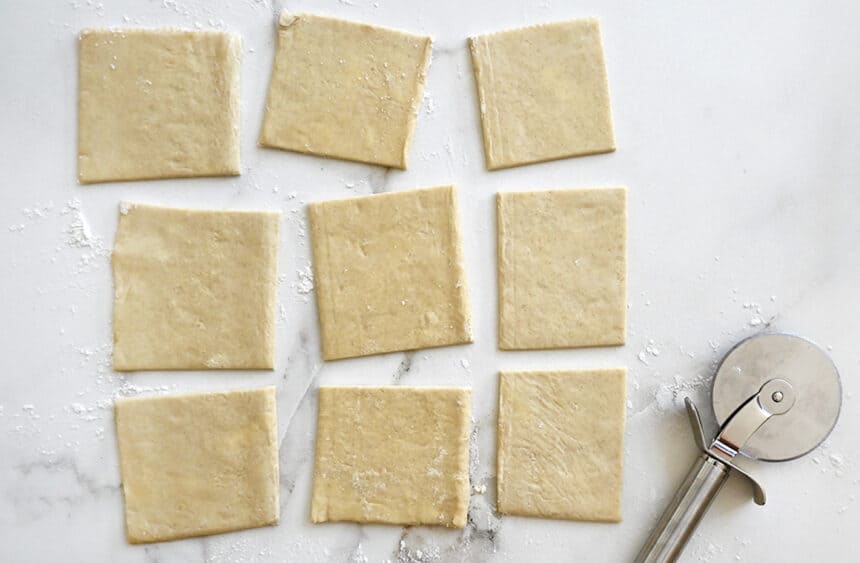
{"x": 474, "y": 48}
{"x": 460, "y": 264}
{"x": 495, "y": 167}
{"x": 287, "y": 18}
{"x": 417, "y": 99}
{"x": 586, "y": 20}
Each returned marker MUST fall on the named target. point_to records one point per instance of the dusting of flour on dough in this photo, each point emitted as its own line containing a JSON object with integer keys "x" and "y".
{"x": 217, "y": 361}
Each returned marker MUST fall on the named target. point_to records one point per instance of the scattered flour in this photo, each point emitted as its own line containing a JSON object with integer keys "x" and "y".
{"x": 408, "y": 554}
{"x": 78, "y": 231}
{"x": 79, "y": 236}
{"x": 357, "y": 555}
{"x": 429, "y": 104}
{"x": 650, "y": 351}
{"x": 305, "y": 284}
{"x": 31, "y": 215}
{"x": 754, "y": 308}
{"x": 670, "y": 396}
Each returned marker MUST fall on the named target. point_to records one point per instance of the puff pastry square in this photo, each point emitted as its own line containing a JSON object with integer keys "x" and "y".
{"x": 543, "y": 93}
{"x": 392, "y": 455}
{"x": 157, "y": 104}
{"x": 345, "y": 90}
{"x": 561, "y": 444}
{"x": 389, "y": 273}
{"x": 200, "y": 464}
{"x": 562, "y": 268}
{"x": 194, "y": 289}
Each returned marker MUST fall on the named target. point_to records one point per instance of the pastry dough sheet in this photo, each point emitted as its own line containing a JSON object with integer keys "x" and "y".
{"x": 392, "y": 455}
{"x": 562, "y": 268}
{"x": 561, "y": 444}
{"x": 389, "y": 273}
{"x": 157, "y": 104}
{"x": 345, "y": 90}
{"x": 200, "y": 464}
{"x": 194, "y": 289}
{"x": 543, "y": 93}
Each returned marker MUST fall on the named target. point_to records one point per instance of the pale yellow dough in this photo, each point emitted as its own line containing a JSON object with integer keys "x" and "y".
{"x": 392, "y": 455}
{"x": 201, "y": 464}
{"x": 561, "y": 444}
{"x": 543, "y": 93}
{"x": 345, "y": 90}
{"x": 389, "y": 273}
{"x": 157, "y": 104}
{"x": 194, "y": 289}
{"x": 562, "y": 268}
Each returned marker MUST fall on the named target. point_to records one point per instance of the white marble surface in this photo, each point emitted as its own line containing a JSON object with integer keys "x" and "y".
{"x": 738, "y": 128}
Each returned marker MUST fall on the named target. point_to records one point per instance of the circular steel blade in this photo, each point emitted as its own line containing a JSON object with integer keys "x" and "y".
{"x": 808, "y": 369}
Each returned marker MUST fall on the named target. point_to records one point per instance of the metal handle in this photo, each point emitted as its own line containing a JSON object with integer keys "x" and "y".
{"x": 686, "y": 510}
{"x": 705, "y": 479}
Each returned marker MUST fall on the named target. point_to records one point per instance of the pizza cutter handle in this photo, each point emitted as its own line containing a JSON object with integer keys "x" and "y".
{"x": 681, "y": 518}
{"x": 697, "y": 492}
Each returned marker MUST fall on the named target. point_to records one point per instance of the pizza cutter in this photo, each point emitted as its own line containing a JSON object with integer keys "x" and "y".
{"x": 776, "y": 397}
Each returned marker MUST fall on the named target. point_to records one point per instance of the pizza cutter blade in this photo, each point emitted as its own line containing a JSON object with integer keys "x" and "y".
{"x": 776, "y": 397}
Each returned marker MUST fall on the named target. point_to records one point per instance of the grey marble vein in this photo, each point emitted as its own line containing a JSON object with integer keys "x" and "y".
{"x": 403, "y": 367}
{"x": 378, "y": 179}
{"x": 32, "y": 498}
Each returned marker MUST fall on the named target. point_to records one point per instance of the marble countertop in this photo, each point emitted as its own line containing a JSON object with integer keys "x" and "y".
{"x": 738, "y": 131}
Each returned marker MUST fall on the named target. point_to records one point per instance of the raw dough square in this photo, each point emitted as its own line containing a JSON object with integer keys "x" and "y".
{"x": 561, "y": 444}
{"x": 157, "y": 104}
{"x": 392, "y": 455}
{"x": 194, "y": 289}
{"x": 562, "y": 268}
{"x": 389, "y": 273}
{"x": 345, "y": 90}
{"x": 543, "y": 93}
{"x": 201, "y": 464}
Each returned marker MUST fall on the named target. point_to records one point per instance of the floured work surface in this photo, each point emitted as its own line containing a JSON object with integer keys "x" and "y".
{"x": 392, "y": 455}
{"x": 389, "y": 273}
{"x": 194, "y": 289}
{"x": 194, "y": 465}
{"x": 562, "y": 268}
{"x": 345, "y": 90}
{"x": 543, "y": 93}
{"x": 561, "y": 444}
{"x": 158, "y": 104}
